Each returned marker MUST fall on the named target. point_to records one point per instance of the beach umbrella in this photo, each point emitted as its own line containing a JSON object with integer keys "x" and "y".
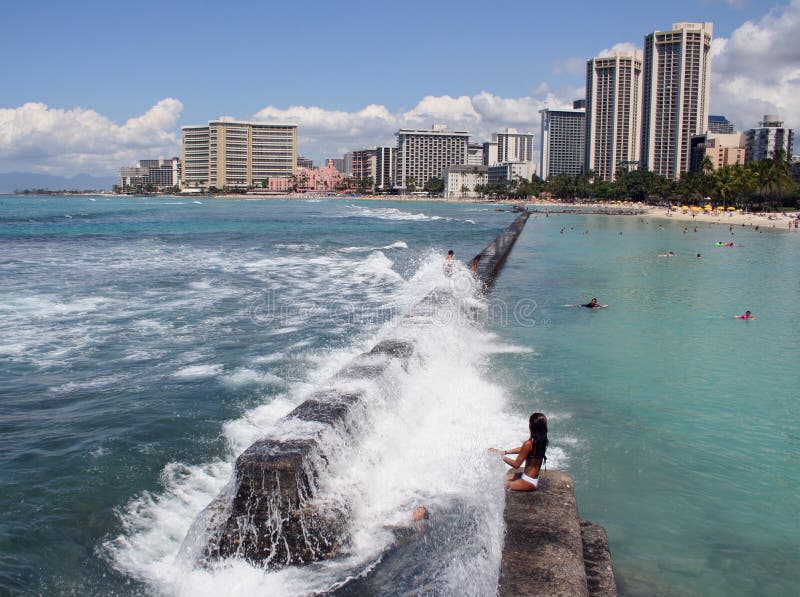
{"x": 731, "y": 208}
{"x": 674, "y": 207}
{"x": 695, "y": 208}
{"x": 720, "y": 209}
{"x": 708, "y": 208}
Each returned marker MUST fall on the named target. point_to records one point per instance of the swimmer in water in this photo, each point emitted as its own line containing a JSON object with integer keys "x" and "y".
{"x": 669, "y": 254}
{"x": 745, "y": 315}
{"x": 532, "y": 452}
{"x": 592, "y": 304}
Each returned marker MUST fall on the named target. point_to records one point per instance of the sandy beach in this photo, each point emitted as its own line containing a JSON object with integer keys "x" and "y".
{"x": 778, "y": 221}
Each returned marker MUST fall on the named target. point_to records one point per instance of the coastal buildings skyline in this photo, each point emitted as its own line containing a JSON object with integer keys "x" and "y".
{"x": 62, "y": 128}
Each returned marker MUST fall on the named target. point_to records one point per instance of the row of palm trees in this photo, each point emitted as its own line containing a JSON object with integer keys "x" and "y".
{"x": 767, "y": 183}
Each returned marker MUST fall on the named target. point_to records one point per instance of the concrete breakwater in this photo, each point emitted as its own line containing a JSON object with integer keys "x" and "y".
{"x": 270, "y": 512}
{"x": 548, "y": 549}
{"x": 488, "y": 263}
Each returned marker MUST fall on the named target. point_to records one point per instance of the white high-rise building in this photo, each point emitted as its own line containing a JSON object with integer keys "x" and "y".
{"x": 562, "y": 142}
{"x": 769, "y": 137}
{"x": 424, "y": 154}
{"x": 489, "y": 153}
{"x": 384, "y": 168}
{"x": 675, "y": 95}
{"x": 613, "y": 112}
{"x": 513, "y": 146}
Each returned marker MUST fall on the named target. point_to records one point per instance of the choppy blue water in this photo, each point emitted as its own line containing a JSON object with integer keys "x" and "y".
{"x": 146, "y": 342}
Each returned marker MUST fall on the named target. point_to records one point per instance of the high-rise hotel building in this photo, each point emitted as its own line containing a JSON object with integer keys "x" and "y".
{"x": 675, "y": 96}
{"x": 384, "y": 168}
{"x": 231, "y": 153}
{"x": 513, "y": 146}
{"x": 424, "y": 154}
{"x": 613, "y": 113}
{"x": 770, "y": 137}
{"x": 562, "y": 141}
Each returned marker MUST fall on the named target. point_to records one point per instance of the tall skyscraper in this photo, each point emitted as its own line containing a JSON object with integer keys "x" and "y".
{"x": 423, "y": 154}
{"x": 562, "y": 142}
{"x": 613, "y": 108}
{"x": 675, "y": 96}
{"x": 771, "y": 136}
{"x": 232, "y": 153}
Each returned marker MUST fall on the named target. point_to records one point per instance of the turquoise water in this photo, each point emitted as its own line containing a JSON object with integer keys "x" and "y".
{"x": 140, "y": 353}
{"x": 687, "y": 419}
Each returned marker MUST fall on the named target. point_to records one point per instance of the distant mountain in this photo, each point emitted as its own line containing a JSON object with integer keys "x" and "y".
{"x": 11, "y": 181}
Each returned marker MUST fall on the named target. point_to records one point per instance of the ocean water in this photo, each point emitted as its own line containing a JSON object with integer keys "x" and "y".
{"x": 147, "y": 342}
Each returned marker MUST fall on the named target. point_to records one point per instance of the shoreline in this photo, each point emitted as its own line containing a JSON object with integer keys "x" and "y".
{"x": 769, "y": 221}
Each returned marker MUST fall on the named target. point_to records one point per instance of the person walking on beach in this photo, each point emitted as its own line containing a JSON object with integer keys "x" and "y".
{"x": 532, "y": 452}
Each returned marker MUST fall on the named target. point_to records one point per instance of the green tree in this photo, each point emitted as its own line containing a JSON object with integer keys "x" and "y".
{"x": 411, "y": 184}
{"x": 434, "y": 185}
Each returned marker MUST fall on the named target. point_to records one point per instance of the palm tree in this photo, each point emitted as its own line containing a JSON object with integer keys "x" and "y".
{"x": 724, "y": 185}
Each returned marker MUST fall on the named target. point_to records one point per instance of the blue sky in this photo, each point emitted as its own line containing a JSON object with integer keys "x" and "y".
{"x": 87, "y": 68}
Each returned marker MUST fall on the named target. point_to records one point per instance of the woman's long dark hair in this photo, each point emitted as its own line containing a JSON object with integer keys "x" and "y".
{"x": 538, "y": 426}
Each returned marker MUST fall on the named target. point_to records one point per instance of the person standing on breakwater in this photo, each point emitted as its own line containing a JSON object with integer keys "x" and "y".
{"x": 448, "y": 263}
{"x": 531, "y": 452}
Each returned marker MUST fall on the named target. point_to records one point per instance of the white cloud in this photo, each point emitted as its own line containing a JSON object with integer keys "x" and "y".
{"x": 624, "y": 46}
{"x": 324, "y": 133}
{"x": 757, "y": 70}
{"x": 36, "y": 137}
{"x": 574, "y": 65}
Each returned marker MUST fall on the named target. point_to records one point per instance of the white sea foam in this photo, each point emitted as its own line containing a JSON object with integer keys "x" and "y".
{"x": 396, "y": 245}
{"x": 89, "y": 384}
{"x": 388, "y": 213}
{"x": 268, "y": 358}
{"x": 198, "y": 371}
{"x": 244, "y": 376}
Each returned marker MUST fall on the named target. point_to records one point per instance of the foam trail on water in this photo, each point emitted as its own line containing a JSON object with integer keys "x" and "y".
{"x": 422, "y": 440}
